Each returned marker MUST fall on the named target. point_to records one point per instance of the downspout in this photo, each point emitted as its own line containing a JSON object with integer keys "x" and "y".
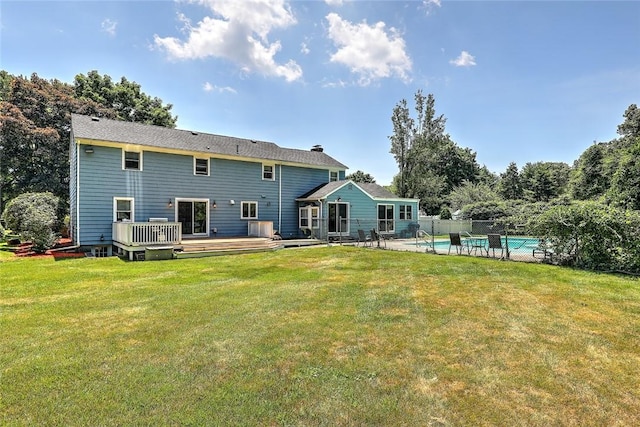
{"x": 77, "y": 212}
{"x": 280, "y": 200}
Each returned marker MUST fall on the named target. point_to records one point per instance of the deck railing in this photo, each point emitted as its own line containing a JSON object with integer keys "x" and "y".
{"x": 147, "y": 233}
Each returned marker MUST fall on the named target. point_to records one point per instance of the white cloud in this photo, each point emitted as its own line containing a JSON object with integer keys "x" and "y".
{"x": 334, "y": 2}
{"x": 464, "y": 60}
{"x": 369, "y": 51}
{"x": 304, "y": 48}
{"x": 237, "y": 31}
{"x": 430, "y": 4}
{"x": 109, "y": 27}
{"x": 208, "y": 87}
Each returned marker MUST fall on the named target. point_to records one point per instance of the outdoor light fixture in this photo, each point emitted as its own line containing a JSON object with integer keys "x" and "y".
{"x": 170, "y": 203}
{"x": 102, "y": 237}
{"x": 88, "y": 150}
{"x": 214, "y": 204}
{"x": 232, "y": 202}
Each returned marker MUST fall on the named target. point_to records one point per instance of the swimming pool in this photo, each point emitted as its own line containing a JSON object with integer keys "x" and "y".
{"x": 515, "y": 243}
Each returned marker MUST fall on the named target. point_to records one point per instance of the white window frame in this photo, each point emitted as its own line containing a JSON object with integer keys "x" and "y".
{"x": 264, "y": 172}
{"x": 387, "y": 221}
{"x": 406, "y": 212}
{"x": 132, "y": 210}
{"x": 337, "y": 176}
{"x": 248, "y": 203}
{"x": 124, "y": 162}
{"x": 309, "y": 217}
{"x": 195, "y": 168}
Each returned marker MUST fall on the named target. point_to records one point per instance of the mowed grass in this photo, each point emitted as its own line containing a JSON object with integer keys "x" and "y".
{"x": 321, "y": 336}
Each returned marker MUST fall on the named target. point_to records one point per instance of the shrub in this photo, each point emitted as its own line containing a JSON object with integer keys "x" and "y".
{"x": 592, "y": 235}
{"x": 33, "y": 215}
{"x": 485, "y": 210}
{"x": 445, "y": 213}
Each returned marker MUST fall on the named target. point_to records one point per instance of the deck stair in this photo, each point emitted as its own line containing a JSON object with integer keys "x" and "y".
{"x": 193, "y": 248}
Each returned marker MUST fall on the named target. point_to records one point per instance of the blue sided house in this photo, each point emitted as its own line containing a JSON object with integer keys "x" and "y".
{"x": 135, "y": 186}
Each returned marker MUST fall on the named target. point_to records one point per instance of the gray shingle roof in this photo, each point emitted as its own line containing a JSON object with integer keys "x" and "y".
{"x": 85, "y": 127}
{"x": 374, "y": 190}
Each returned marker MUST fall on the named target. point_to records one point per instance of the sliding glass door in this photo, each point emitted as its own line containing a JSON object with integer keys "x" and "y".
{"x": 194, "y": 216}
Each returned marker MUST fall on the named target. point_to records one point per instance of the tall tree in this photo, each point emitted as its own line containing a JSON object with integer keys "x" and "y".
{"x": 430, "y": 163}
{"x": 590, "y": 177}
{"x": 543, "y": 181}
{"x": 35, "y": 119}
{"x": 360, "y": 176}
{"x": 510, "y": 185}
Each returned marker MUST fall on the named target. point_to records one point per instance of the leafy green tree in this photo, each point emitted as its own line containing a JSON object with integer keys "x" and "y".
{"x": 494, "y": 209}
{"x": 510, "y": 185}
{"x": 125, "y": 98}
{"x": 430, "y": 163}
{"x": 543, "y": 181}
{"x": 35, "y": 119}
{"x": 468, "y": 193}
{"x": 625, "y": 185}
{"x": 360, "y": 176}
{"x": 590, "y": 178}
{"x": 630, "y": 128}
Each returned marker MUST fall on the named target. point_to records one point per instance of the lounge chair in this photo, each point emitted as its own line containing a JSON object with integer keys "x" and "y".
{"x": 495, "y": 242}
{"x": 376, "y": 237}
{"x": 364, "y": 239}
{"x": 455, "y": 240}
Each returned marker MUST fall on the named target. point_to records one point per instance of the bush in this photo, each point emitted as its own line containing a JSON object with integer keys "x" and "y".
{"x": 485, "y": 210}
{"x": 592, "y": 235}
{"x": 445, "y": 213}
{"x": 33, "y": 215}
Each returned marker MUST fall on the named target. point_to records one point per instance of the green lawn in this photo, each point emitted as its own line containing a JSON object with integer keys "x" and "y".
{"x": 319, "y": 336}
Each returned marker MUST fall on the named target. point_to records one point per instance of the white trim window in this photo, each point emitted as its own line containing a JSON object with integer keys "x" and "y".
{"x": 248, "y": 210}
{"x": 406, "y": 212}
{"x": 132, "y": 160}
{"x": 123, "y": 209}
{"x": 309, "y": 217}
{"x": 268, "y": 172}
{"x": 333, "y": 176}
{"x": 200, "y": 166}
{"x": 385, "y": 218}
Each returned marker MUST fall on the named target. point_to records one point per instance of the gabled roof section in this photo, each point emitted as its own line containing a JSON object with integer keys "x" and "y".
{"x": 100, "y": 129}
{"x": 375, "y": 191}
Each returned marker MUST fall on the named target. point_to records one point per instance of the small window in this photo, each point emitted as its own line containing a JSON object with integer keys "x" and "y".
{"x": 267, "y": 172}
{"x": 406, "y": 212}
{"x": 249, "y": 210}
{"x": 123, "y": 209}
{"x": 201, "y": 166}
{"x": 132, "y": 160}
{"x": 333, "y": 176}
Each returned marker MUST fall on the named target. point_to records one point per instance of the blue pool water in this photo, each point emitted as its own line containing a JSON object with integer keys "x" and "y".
{"x": 515, "y": 243}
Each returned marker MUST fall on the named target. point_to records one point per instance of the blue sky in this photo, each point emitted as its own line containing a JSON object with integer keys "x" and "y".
{"x": 520, "y": 81}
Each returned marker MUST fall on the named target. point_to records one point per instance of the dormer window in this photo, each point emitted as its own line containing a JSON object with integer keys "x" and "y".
{"x": 333, "y": 176}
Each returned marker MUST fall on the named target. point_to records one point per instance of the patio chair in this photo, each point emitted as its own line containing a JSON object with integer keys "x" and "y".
{"x": 364, "y": 239}
{"x": 455, "y": 240}
{"x": 376, "y": 237}
{"x": 495, "y": 242}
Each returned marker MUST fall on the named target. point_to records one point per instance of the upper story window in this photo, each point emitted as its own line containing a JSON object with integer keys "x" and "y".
{"x": 268, "y": 173}
{"x": 132, "y": 160}
{"x": 406, "y": 212}
{"x": 123, "y": 209}
{"x": 333, "y": 176}
{"x": 249, "y": 210}
{"x": 200, "y": 166}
